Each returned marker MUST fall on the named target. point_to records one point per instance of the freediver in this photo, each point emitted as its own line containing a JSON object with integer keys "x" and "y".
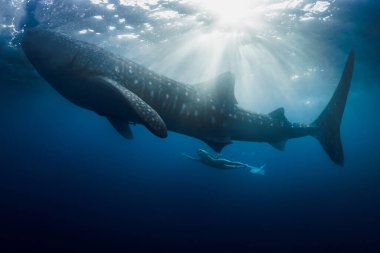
{"x": 221, "y": 163}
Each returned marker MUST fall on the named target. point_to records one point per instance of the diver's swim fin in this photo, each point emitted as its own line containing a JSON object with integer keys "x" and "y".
{"x": 330, "y": 119}
{"x": 260, "y": 170}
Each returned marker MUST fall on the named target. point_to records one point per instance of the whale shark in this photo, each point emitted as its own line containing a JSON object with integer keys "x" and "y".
{"x": 127, "y": 93}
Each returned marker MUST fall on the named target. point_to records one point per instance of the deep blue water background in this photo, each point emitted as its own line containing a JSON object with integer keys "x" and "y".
{"x": 69, "y": 182}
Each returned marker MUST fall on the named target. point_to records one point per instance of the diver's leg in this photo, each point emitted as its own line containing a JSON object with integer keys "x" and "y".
{"x": 232, "y": 163}
{"x": 229, "y": 166}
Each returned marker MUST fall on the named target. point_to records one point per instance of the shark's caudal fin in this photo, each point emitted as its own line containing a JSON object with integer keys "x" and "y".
{"x": 329, "y": 120}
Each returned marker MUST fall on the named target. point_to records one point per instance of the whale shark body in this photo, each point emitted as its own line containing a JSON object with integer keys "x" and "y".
{"x": 127, "y": 93}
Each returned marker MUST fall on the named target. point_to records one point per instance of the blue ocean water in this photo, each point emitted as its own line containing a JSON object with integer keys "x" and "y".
{"x": 70, "y": 183}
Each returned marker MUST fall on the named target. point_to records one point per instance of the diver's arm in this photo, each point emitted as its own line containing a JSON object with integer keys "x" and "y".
{"x": 190, "y": 157}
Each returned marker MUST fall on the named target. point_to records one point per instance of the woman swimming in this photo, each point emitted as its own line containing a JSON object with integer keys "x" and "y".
{"x": 221, "y": 163}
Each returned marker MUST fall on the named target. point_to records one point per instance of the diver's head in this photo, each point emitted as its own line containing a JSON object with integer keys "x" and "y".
{"x": 202, "y": 153}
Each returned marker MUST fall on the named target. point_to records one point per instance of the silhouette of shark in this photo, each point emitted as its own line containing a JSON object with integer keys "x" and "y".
{"x": 126, "y": 93}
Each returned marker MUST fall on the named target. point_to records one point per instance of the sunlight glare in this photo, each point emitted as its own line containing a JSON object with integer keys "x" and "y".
{"x": 262, "y": 42}
{"x": 229, "y": 13}
{"x": 232, "y": 15}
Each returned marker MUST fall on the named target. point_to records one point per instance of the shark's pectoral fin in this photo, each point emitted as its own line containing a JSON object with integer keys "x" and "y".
{"x": 121, "y": 127}
{"x": 147, "y": 115}
{"x": 217, "y": 143}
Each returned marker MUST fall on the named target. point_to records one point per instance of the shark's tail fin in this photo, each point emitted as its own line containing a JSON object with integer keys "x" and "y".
{"x": 329, "y": 120}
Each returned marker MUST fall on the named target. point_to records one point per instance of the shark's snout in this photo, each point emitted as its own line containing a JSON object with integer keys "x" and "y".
{"x": 47, "y": 49}
{"x": 36, "y": 43}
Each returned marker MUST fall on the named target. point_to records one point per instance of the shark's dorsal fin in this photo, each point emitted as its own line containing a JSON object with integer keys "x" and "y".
{"x": 148, "y": 116}
{"x": 221, "y": 88}
{"x": 121, "y": 127}
{"x": 279, "y": 115}
{"x": 217, "y": 143}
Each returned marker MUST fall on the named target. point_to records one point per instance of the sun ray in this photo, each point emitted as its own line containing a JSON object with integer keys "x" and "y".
{"x": 265, "y": 43}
